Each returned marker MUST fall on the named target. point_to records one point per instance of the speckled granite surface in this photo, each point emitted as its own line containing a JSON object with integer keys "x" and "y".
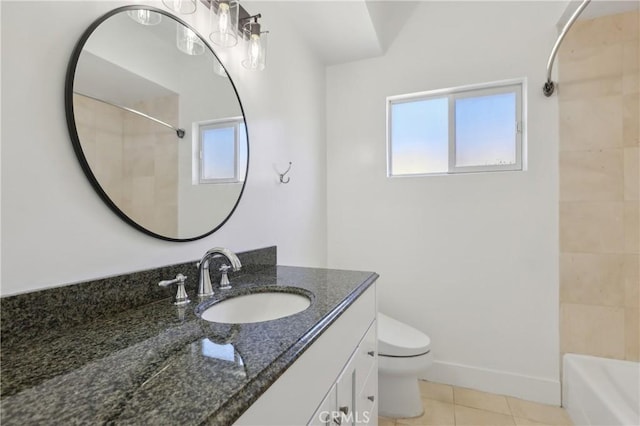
{"x": 32, "y": 314}
{"x": 160, "y": 364}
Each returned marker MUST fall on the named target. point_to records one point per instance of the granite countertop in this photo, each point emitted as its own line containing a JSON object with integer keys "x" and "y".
{"x": 162, "y": 364}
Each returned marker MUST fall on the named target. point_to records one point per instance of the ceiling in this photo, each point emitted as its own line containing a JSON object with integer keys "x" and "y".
{"x": 598, "y": 8}
{"x": 344, "y": 31}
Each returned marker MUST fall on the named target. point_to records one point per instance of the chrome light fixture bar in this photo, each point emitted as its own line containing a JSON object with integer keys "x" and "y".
{"x": 229, "y": 20}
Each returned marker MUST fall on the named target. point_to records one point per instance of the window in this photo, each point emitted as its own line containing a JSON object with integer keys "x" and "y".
{"x": 470, "y": 129}
{"x": 222, "y": 151}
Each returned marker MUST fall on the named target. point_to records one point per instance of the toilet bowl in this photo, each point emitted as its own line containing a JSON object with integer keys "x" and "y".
{"x": 404, "y": 352}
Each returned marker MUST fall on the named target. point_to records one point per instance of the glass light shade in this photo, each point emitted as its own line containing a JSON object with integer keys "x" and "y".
{"x": 188, "y": 41}
{"x": 219, "y": 69}
{"x": 185, "y": 7}
{"x": 224, "y": 22}
{"x": 145, "y": 17}
{"x": 256, "y": 47}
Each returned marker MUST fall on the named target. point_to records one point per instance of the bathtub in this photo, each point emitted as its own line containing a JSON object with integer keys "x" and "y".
{"x": 601, "y": 391}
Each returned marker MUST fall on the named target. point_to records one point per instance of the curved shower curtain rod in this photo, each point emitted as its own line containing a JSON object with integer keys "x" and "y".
{"x": 179, "y": 132}
{"x": 549, "y": 86}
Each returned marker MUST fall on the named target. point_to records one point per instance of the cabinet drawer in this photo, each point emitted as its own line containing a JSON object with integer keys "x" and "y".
{"x": 366, "y": 356}
{"x": 367, "y": 401}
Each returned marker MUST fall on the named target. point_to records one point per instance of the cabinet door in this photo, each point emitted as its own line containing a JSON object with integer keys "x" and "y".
{"x": 366, "y": 383}
{"x": 326, "y": 412}
{"x": 366, "y": 402}
{"x": 367, "y": 357}
{"x": 345, "y": 387}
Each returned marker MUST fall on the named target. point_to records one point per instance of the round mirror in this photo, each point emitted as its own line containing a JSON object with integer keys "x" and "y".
{"x": 157, "y": 124}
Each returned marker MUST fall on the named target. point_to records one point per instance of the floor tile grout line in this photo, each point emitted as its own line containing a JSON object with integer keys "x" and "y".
{"x": 510, "y": 409}
{"x": 454, "y": 404}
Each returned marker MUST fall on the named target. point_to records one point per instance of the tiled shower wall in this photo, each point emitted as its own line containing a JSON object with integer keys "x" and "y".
{"x": 599, "y": 180}
{"x": 134, "y": 159}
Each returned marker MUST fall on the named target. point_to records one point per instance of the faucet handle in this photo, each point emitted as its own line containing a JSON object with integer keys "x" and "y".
{"x": 179, "y": 278}
{"x": 181, "y": 294}
{"x": 224, "y": 279}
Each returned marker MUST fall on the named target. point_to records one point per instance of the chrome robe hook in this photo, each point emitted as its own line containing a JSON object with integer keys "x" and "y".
{"x": 282, "y": 175}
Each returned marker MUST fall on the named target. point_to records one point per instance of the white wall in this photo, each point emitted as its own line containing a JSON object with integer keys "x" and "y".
{"x": 469, "y": 259}
{"x": 55, "y": 229}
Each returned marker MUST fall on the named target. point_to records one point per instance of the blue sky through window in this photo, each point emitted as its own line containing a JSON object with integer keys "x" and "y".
{"x": 461, "y": 130}
{"x": 218, "y": 153}
{"x": 486, "y": 130}
{"x": 420, "y": 137}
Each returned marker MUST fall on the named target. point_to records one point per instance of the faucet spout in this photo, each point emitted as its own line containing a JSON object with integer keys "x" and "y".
{"x": 204, "y": 280}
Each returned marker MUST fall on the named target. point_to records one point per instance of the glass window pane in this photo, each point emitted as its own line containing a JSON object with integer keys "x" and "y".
{"x": 218, "y": 153}
{"x": 419, "y": 135}
{"x": 486, "y": 130}
{"x": 242, "y": 151}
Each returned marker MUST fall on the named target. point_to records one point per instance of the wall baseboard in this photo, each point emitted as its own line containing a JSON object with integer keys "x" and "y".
{"x": 531, "y": 388}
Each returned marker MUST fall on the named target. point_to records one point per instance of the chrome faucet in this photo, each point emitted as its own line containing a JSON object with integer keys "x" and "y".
{"x": 181, "y": 295}
{"x": 204, "y": 282}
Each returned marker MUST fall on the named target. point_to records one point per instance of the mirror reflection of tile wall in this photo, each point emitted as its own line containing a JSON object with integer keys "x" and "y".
{"x": 134, "y": 159}
{"x": 599, "y": 179}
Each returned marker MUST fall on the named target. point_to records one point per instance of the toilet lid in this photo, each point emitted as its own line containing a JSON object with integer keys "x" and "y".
{"x": 398, "y": 339}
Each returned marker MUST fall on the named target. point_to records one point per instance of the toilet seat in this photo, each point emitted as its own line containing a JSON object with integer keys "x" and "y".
{"x": 397, "y": 339}
{"x": 405, "y": 353}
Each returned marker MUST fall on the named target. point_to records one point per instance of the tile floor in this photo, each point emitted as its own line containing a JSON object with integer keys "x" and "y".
{"x": 450, "y": 405}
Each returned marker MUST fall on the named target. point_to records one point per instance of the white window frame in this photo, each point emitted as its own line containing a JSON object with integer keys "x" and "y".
{"x": 517, "y": 86}
{"x": 203, "y": 126}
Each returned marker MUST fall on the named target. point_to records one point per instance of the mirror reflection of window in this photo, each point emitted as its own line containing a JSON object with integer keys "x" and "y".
{"x": 222, "y": 147}
{"x": 145, "y": 171}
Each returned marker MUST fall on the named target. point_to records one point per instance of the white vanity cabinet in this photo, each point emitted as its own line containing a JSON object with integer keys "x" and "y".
{"x": 335, "y": 382}
{"x": 353, "y": 398}
{"x": 326, "y": 414}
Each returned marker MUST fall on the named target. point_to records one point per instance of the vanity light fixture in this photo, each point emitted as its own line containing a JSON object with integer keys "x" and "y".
{"x": 256, "y": 44}
{"x": 145, "y": 17}
{"x": 188, "y": 41}
{"x": 228, "y": 21}
{"x": 224, "y": 22}
{"x": 185, "y": 7}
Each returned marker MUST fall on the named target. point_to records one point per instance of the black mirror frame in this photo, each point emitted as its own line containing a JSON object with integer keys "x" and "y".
{"x": 75, "y": 140}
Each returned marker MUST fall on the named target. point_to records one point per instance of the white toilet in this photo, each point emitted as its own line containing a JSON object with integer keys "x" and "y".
{"x": 404, "y": 352}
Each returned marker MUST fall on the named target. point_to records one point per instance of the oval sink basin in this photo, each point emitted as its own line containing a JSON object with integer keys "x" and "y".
{"x": 256, "y": 307}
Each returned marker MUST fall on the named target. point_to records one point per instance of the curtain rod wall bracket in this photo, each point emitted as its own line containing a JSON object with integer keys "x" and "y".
{"x": 549, "y": 86}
